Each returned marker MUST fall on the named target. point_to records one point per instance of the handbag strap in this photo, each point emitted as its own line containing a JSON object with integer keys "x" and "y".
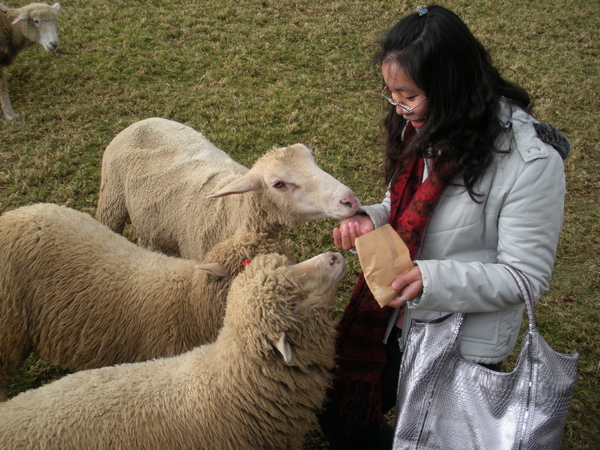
{"x": 526, "y": 292}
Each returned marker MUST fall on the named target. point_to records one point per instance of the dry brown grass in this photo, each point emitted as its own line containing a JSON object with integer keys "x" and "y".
{"x": 254, "y": 74}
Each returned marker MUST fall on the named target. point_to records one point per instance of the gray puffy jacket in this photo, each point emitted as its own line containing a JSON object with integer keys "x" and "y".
{"x": 517, "y": 223}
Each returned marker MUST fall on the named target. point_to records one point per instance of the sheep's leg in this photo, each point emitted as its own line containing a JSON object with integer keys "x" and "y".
{"x": 9, "y": 114}
{"x": 13, "y": 351}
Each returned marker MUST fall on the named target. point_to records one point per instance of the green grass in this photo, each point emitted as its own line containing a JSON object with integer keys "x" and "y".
{"x": 254, "y": 74}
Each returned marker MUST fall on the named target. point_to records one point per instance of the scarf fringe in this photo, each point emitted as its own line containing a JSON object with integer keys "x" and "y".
{"x": 348, "y": 394}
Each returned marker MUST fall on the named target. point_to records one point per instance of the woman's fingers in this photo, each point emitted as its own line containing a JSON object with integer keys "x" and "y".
{"x": 409, "y": 287}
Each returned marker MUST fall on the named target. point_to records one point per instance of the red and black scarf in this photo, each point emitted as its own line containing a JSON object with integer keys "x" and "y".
{"x": 361, "y": 351}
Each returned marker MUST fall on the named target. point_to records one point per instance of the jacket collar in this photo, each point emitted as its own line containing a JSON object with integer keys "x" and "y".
{"x": 529, "y": 135}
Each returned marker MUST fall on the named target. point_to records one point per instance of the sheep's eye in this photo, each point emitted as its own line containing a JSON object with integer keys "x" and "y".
{"x": 36, "y": 21}
{"x": 278, "y": 185}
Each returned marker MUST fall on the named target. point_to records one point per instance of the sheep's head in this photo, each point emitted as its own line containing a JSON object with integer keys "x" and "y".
{"x": 294, "y": 188}
{"x": 39, "y": 23}
{"x": 282, "y": 313}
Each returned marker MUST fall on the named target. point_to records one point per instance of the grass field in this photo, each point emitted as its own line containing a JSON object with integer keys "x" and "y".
{"x": 253, "y": 74}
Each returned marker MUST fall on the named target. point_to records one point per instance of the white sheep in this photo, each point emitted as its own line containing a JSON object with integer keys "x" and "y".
{"x": 159, "y": 174}
{"x": 81, "y": 296}
{"x": 21, "y": 28}
{"x": 256, "y": 387}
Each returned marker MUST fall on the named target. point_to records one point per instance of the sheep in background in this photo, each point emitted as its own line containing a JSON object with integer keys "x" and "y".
{"x": 256, "y": 387}
{"x": 81, "y": 296}
{"x": 159, "y": 173}
{"x": 21, "y": 28}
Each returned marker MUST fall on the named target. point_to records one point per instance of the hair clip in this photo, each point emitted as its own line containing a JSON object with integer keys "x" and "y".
{"x": 422, "y": 10}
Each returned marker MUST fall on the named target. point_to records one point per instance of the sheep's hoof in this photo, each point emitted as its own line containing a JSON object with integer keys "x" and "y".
{"x": 12, "y": 117}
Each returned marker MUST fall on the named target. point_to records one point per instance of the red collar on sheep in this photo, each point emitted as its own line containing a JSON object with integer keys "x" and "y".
{"x": 246, "y": 262}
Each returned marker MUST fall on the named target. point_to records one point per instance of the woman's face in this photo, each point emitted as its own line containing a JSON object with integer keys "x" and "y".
{"x": 403, "y": 90}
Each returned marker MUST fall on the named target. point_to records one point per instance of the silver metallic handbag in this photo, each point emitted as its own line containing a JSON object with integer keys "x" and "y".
{"x": 448, "y": 402}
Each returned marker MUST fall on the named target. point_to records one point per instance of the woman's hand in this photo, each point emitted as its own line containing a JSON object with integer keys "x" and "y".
{"x": 350, "y": 229}
{"x": 409, "y": 285}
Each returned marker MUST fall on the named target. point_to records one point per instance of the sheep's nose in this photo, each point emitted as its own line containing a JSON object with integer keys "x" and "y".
{"x": 335, "y": 258}
{"x": 50, "y": 46}
{"x": 350, "y": 202}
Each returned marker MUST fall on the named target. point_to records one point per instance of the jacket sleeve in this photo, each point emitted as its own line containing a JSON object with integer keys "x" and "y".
{"x": 379, "y": 213}
{"x": 528, "y": 227}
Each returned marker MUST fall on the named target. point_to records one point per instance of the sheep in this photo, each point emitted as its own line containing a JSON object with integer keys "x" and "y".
{"x": 257, "y": 386}
{"x": 21, "y": 28}
{"x": 81, "y": 296}
{"x": 181, "y": 193}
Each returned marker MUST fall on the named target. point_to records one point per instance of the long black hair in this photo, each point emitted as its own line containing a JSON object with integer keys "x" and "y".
{"x": 439, "y": 52}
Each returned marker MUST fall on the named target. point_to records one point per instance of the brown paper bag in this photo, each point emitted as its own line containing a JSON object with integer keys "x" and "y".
{"x": 383, "y": 256}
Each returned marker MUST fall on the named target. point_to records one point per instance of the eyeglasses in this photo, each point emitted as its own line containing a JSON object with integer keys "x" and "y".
{"x": 404, "y": 108}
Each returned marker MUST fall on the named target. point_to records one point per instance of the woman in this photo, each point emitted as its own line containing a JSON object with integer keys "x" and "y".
{"x": 473, "y": 182}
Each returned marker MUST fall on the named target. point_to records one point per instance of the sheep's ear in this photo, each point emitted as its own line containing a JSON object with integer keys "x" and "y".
{"x": 214, "y": 269}
{"x": 20, "y": 18}
{"x": 56, "y": 7}
{"x": 240, "y": 186}
{"x": 283, "y": 347}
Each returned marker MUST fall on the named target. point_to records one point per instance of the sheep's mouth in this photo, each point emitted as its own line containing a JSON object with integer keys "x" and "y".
{"x": 348, "y": 211}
